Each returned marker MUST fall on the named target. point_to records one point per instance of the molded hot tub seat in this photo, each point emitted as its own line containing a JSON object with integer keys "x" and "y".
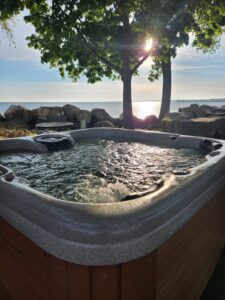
{"x": 160, "y": 236}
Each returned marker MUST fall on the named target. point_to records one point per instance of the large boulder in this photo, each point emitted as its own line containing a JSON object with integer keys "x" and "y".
{"x": 208, "y": 109}
{"x": 17, "y": 123}
{"x": 148, "y": 122}
{"x": 170, "y": 122}
{"x": 2, "y": 119}
{"x": 219, "y": 111}
{"x": 99, "y": 114}
{"x": 194, "y": 109}
{"x": 117, "y": 122}
{"x": 3, "y": 124}
{"x": 44, "y": 114}
{"x": 29, "y": 117}
{"x": 208, "y": 126}
{"x": 71, "y": 112}
{"x": 16, "y": 112}
{"x": 83, "y": 115}
{"x": 104, "y": 124}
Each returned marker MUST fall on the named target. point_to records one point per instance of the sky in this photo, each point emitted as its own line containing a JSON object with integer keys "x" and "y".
{"x": 24, "y": 79}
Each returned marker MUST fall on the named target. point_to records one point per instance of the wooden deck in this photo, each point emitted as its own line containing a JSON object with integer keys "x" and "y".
{"x": 179, "y": 269}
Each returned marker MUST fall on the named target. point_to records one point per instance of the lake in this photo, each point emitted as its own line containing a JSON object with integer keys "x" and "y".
{"x": 140, "y": 109}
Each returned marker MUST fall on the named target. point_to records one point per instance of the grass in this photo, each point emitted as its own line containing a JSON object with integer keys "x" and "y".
{"x": 11, "y": 133}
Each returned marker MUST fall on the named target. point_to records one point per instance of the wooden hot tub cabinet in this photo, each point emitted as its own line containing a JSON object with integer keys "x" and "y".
{"x": 179, "y": 269}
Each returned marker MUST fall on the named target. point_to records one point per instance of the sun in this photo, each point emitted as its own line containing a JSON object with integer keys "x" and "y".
{"x": 148, "y": 44}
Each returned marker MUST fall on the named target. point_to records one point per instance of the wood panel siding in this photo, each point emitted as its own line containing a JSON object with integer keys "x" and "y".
{"x": 179, "y": 269}
{"x": 186, "y": 261}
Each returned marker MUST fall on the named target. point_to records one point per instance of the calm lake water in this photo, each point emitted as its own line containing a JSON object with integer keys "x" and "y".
{"x": 140, "y": 109}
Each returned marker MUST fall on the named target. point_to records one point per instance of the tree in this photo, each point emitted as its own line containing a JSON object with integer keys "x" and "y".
{"x": 206, "y": 19}
{"x": 174, "y": 35}
{"x": 92, "y": 38}
{"x": 101, "y": 38}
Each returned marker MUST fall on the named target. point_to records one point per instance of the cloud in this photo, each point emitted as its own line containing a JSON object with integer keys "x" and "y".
{"x": 194, "y": 68}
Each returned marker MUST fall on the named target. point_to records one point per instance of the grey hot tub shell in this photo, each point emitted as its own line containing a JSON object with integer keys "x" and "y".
{"x": 107, "y": 234}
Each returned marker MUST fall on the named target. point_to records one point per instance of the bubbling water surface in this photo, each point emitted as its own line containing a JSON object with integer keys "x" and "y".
{"x": 101, "y": 171}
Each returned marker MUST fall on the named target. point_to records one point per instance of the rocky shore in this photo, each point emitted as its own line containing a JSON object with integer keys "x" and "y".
{"x": 203, "y": 120}
{"x": 19, "y": 117}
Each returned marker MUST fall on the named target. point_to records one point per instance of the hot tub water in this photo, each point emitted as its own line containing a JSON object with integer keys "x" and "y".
{"x": 102, "y": 171}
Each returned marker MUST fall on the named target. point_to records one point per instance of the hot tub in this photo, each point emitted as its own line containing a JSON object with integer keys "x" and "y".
{"x": 163, "y": 245}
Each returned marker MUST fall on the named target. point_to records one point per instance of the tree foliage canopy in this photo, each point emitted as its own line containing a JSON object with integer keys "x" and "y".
{"x": 91, "y": 38}
{"x": 209, "y": 25}
{"x": 11, "y": 8}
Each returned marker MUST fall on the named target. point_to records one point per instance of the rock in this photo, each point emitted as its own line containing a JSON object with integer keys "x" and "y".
{"x": 3, "y": 124}
{"x": 170, "y": 123}
{"x": 150, "y": 122}
{"x": 205, "y": 106}
{"x": 138, "y": 123}
{"x": 44, "y": 114}
{"x": 83, "y": 115}
{"x": 117, "y": 122}
{"x": 99, "y": 114}
{"x": 208, "y": 126}
{"x": 195, "y": 110}
{"x": 194, "y": 105}
{"x": 104, "y": 124}
{"x": 173, "y": 116}
{"x": 219, "y": 111}
{"x": 15, "y": 112}
{"x": 2, "y": 119}
{"x": 186, "y": 115}
{"x": 29, "y": 117}
{"x": 17, "y": 123}
{"x": 71, "y": 112}
{"x": 209, "y": 110}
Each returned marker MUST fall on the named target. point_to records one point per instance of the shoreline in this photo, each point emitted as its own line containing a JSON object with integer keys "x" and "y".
{"x": 140, "y": 108}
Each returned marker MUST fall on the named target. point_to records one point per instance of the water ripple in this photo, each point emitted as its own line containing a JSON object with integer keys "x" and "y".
{"x": 103, "y": 171}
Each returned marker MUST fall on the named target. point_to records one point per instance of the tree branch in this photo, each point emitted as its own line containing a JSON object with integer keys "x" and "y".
{"x": 105, "y": 60}
{"x": 140, "y": 62}
{"x": 102, "y": 58}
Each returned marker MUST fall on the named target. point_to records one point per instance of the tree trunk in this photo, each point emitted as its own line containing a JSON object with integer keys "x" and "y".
{"x": 127, "y": 102}
{"x": 166, "y": 94}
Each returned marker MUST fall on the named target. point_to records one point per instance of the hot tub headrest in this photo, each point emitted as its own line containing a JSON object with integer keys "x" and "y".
{"x": 208, "y": 145}
{"x": 55, "y": 142}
